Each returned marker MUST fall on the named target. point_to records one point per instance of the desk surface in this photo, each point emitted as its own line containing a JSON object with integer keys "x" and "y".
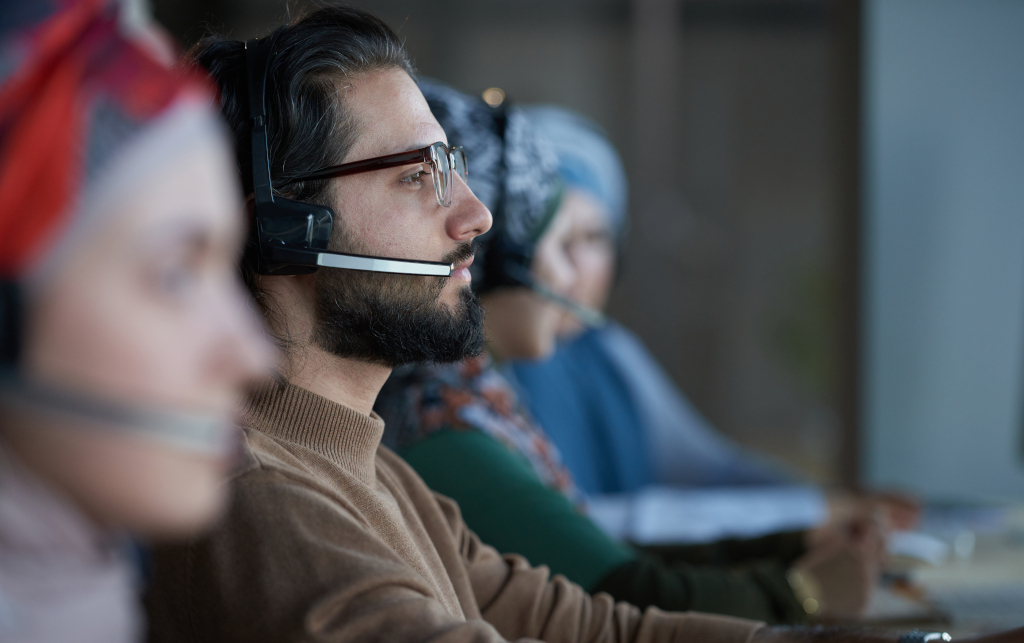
{"x": 980, "y": 590}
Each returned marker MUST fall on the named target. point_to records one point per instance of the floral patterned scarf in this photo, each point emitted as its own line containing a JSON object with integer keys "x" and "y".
{"x": 419, "y": 401}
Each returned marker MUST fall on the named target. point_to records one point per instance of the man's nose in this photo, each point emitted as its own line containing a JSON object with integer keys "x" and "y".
{"x": 467, "y": 217}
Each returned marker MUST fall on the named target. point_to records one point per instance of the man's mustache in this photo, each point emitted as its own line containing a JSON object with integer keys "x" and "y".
{"x": 461, "y": 253}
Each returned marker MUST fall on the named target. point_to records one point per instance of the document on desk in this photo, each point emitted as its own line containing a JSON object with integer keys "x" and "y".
{"x": 677, "y": 515}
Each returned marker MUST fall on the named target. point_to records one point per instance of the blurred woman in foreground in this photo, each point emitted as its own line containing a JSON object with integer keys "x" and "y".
{"x": 125, "y": 338}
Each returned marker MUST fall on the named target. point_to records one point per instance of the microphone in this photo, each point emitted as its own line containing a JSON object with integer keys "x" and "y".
{"x": 202, "y": 433}
{"x": 587, "y": 316}
{"x": 327, "y": 259}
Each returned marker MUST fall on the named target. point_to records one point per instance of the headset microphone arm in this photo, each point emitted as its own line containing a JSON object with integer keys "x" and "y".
{"x": 323, "y": 258}
{"x": 586, "y": 315}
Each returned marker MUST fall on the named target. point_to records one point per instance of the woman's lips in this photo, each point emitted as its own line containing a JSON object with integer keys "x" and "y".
{"x": 461, "y": 271}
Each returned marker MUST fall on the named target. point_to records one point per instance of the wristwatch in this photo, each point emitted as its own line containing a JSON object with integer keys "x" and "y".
{"x": 807, "y": 591}
{"x": 917, "y": 636}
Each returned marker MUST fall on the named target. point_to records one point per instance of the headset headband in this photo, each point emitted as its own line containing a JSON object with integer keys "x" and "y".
{"x": 257, "y": 64}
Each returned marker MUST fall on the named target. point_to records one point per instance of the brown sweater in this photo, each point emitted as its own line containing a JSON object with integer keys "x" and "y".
{"x": 332, "y": 537}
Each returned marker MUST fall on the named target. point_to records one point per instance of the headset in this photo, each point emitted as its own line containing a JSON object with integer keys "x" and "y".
{"x": 507, "y": 261}
{"x": 290, "y": 237}
{"x": 10, "y": 326}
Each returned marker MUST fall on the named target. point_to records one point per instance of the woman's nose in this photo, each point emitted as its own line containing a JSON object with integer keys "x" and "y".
{"x": 245, "y": 350}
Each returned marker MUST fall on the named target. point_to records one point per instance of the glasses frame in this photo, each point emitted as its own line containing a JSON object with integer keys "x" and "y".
{"x": 454, "y": 162}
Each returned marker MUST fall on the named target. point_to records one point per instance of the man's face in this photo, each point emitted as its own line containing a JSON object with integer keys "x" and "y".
{"x": 394, "y": 319}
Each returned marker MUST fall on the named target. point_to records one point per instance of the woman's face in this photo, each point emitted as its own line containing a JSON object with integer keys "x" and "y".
{"x": 520, "y": 323}
{"x": 591, "y": 249}
{"x": 147, "y": 311}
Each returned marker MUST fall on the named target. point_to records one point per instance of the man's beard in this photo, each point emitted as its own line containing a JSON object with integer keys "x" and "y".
{"x": 393, "y": 319}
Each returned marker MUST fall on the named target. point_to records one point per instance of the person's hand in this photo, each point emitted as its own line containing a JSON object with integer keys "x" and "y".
{"x": 902, "y": 511}
{"x": 843, "y": 564}
{"x": 844, "y": 578}
{"x": 893, "y": 509}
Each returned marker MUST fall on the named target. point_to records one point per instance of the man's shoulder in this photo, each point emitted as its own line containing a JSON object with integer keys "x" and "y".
{"x": 272, "y": 468}
{"x": 391, "y": 466}
{"x": 262, "y": 454}
{"x": 391, "y": 460}
{"x": 277, "y": 468}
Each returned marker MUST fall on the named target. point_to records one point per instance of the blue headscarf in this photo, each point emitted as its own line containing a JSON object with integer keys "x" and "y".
{"x": 587, "y": 160}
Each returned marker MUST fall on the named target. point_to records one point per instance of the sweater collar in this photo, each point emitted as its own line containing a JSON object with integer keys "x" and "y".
{"x": 342, "y": 435}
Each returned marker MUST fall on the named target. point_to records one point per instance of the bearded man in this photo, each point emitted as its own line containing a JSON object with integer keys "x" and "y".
{"x": 363, "y": 231}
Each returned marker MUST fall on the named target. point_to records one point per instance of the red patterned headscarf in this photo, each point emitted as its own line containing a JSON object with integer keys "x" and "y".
{"x": 78, "y": 83}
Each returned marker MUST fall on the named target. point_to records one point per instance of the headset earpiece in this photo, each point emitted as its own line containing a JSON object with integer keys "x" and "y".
{"x": 290, "y": 224}
{"x": 10, "y": 324}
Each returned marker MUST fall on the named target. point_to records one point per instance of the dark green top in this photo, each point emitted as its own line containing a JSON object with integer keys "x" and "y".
{"x": 505, "y": 502}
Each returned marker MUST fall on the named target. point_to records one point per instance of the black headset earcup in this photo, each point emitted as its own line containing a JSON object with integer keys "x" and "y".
{"x": 291, "y": 224}
{"x": 10, "y": 323}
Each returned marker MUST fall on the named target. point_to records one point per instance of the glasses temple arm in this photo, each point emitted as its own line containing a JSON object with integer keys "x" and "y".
{"x": 355, "y": 167}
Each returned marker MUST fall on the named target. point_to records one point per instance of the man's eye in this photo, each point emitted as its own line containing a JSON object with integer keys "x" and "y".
{"x": 416, "y": 178}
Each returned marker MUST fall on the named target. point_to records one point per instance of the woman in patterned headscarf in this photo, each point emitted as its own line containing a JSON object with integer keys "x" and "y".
{"x": 514, "y": 173}
{"x": 124, "y": 337}
{"x": 465, "y": 431}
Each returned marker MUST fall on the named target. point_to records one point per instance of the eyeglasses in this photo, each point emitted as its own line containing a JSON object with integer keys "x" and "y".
{"x": 444, "y": 164}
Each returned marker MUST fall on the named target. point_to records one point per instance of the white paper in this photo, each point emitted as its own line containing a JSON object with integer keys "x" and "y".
{"x": 679, "y": 515}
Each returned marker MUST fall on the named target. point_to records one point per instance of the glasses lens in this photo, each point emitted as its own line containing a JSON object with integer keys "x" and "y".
{"x": 459, "y": 162}
{"x": 442, "y": 173}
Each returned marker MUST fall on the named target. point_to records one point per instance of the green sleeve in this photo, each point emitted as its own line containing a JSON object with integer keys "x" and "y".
{"x": 785, "y": 547}
{"x": 758, "y": 591}
{"x": 504, "y": 501}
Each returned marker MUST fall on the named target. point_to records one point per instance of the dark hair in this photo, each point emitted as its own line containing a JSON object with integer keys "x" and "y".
{"x": 307, "y": 126}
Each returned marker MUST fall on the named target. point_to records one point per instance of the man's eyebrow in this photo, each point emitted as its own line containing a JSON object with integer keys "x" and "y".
{"x": 408, "y": 147}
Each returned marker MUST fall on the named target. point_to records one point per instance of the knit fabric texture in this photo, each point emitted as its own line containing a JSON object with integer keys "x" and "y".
{"x": 331, "y": 536}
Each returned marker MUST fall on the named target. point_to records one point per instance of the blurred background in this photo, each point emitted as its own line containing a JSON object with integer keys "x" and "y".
{"x": 827, "y": 238}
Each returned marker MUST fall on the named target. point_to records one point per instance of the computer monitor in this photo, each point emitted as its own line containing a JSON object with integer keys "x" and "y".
{"x": 943, "y": 240}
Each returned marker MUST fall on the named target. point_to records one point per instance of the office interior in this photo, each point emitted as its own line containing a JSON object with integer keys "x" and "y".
{"x": 826, "y": 242}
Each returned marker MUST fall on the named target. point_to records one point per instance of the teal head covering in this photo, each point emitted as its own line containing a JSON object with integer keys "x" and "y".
{"x": 587, "y": 161}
